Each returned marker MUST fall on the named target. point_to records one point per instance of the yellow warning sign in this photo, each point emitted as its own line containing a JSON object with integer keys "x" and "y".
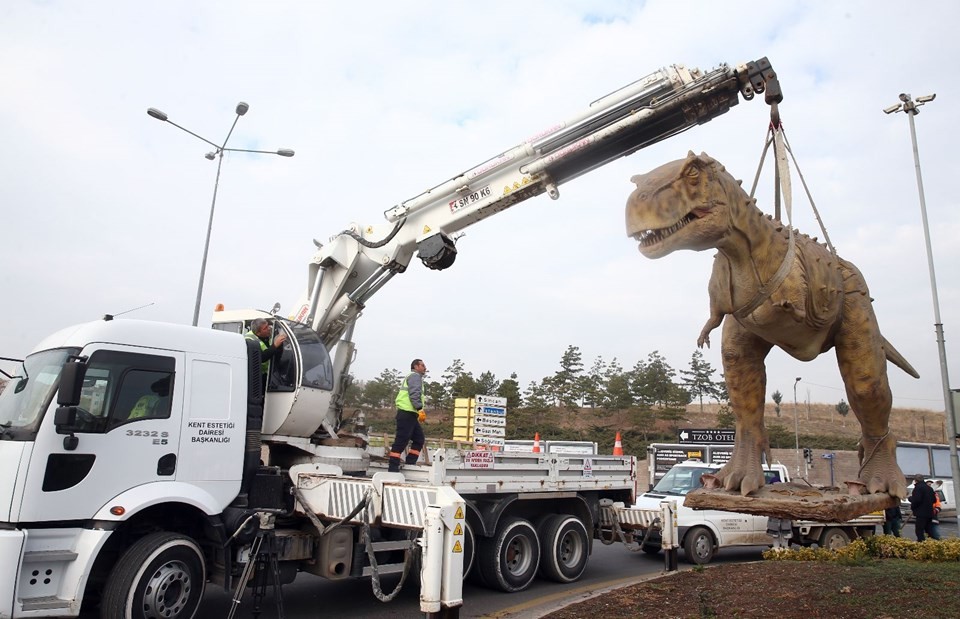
{"x": 459, "y": 514}
{"x": 457, "y": 547}
{"x": 457, "y": 530}
{"x": 426, "y": 229}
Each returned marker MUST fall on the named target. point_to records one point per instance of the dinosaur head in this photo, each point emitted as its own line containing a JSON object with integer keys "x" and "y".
{"x": 679, "y": 206}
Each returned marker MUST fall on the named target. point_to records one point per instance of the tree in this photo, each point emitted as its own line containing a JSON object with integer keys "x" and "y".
{"x": 725, "y": 417}
{"x": 842, "y": 409}
{"x": 537, "y": 399}
{"x": 487, "y": 384}
{"x": 699, "y": 378}
{"x": 382, "y": 390}
{"x": 777, "y": 398}
{"x": 510, "y": 389}
{"x": 565, "y": 382}
{"x": 592, "y": 384}
{"x": 654, "y": 380}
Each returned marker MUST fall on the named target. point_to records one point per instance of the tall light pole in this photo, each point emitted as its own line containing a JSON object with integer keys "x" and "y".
{"x": 218, "y": 151}
{"x": 796, "y": 423}
{"x": 908, "y": 106}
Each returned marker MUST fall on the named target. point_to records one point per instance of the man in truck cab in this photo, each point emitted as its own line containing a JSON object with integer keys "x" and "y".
{"x": 409, "y": 416}
{"x": 260, "y": 331}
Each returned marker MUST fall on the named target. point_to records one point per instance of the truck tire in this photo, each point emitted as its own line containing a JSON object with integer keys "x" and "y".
{"x": 508, "y": 561}
{"x": 161, "y": 576}
{"x": 698, "y": 546}
{"x": 834, "y": 538}
{"x": 564, "y": 548}
{"x": 469, "y": 549}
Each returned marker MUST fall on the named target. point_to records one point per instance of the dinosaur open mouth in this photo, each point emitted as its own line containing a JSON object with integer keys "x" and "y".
{"x": 652, "y": 237}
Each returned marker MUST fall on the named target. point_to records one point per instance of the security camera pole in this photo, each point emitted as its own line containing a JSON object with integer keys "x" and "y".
{"x": 909, "y": 107}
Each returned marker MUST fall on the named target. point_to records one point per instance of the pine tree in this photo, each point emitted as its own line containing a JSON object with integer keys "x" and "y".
{"x": 510, "y": 389}
{"x": 777, "y": 399}
{"x": 565, "y": 382}
{"x": 699, "y": 378}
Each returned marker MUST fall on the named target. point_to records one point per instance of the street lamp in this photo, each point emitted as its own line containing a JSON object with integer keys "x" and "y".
{"x": 908, "y": 106}
{"x": 796, "y": 423}
{"x": 218, "y": 151}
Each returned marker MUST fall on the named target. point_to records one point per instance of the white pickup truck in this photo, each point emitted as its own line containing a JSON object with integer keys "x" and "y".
{"x": 703, "y": 532}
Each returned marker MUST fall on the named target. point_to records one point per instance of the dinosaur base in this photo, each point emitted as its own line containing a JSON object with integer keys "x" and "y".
{"x": 794, "y": 501}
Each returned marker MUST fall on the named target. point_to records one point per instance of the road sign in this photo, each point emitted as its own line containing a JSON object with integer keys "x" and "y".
{"x": 707, "y": 436}
{"x": 482, "y": 420}
{"x": 491, "y": 400}
{"x": 489, "y": 431}
{"x": 488, "y": 440}
{"x": 490, "y": 410}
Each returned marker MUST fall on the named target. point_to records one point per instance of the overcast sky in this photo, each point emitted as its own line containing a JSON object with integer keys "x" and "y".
{"x": 105, "y": 209}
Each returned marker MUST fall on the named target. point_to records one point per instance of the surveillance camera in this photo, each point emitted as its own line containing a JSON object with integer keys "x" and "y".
{"x": 904, "y": 97}
{"x": 926, "y": 98}
{"x": 891, "y": 109}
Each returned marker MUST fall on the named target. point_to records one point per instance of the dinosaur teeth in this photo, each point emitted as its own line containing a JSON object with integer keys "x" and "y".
{"x": 650, "y": 237}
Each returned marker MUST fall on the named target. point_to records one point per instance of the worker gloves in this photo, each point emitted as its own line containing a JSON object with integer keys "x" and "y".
{"x": 421, "y": 416}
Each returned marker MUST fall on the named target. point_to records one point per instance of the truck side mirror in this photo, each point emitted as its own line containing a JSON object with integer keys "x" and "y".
{"x": 71, "y": 383}
{"x": 65, "y": 420}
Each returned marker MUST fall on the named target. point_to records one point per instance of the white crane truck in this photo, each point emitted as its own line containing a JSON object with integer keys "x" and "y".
{"x": 142, "y": 460}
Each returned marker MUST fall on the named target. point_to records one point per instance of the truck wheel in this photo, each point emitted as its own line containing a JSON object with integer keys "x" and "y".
{"x": 161, "y": 576}
{"x": 508, "y": 561}
{"x": 698, "y": 546}
{"x": 564, "y": 548}
{"x": 834, "y": 538}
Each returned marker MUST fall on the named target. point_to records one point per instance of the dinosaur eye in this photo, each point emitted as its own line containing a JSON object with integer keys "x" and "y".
{"x": 692, "y": 173}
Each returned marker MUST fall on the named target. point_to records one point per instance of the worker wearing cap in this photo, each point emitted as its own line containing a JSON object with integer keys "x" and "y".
{"x": 921, "y": 504}
{"x": 409, "y": 416}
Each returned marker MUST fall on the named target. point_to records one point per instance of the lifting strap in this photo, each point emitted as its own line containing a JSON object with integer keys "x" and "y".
{"x": 781, "y": 146}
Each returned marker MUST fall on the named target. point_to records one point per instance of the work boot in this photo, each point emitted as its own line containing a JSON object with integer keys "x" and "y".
{"x": 394, "y": 465}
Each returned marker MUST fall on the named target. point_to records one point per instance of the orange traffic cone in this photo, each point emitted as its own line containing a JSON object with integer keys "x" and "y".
{"x": 536, "y": 442}
{"x": 617, "y": 446}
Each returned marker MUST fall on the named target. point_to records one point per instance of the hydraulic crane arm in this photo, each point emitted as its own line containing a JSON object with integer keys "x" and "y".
{"x": 353, "y": 265}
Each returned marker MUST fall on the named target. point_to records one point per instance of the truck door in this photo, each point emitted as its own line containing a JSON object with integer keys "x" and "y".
{"x": 127, "y": 430}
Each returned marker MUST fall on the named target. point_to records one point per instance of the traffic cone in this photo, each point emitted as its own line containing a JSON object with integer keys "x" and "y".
{"x": 536, "y": 442}
{"x": 617, "y": 446}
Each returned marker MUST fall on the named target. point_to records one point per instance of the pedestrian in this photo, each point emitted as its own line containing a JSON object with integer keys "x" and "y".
{"x": 921, "y": 503}
{"x": 409, "y": 417}
{"x": 260, "y": 331}
{"x": 892, "y": 520}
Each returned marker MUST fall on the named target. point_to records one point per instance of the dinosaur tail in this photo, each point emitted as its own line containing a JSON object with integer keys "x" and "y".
{"x": 894, "y": 357}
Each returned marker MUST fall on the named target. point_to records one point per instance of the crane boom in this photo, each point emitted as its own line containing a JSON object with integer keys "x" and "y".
{"x": 353, "y": 265}
{"x": 306, "y": 387}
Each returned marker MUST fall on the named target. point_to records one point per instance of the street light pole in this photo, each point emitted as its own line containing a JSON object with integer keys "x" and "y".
{"x": 796, "y": 423}
{"x": 909, "y": 106}
{"x": 217, "y": 152}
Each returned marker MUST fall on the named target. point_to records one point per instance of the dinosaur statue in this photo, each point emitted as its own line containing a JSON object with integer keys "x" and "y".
{"x": 770, "y": 287}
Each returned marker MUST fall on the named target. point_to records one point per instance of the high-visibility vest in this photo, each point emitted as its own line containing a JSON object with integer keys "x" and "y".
{"x": 250, "y": 335}
{"x": 143, "y": 407}
{"x": 403, "y": 397}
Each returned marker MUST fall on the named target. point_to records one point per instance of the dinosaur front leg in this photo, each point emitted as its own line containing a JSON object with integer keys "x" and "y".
{"x": 863, "y": 366}
{"x": 746, "y": 377}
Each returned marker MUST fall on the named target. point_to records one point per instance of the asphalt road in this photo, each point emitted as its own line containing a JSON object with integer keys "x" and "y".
{"x": 312, "y": 597}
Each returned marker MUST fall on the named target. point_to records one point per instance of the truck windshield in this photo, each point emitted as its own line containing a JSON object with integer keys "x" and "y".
{"x": 30, "y": 392}
{"x": 682, "y": 479}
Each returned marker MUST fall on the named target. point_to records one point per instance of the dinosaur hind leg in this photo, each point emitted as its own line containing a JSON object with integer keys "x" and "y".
{"x": 863, "y": 366}
{"x": 746, "y": 377}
